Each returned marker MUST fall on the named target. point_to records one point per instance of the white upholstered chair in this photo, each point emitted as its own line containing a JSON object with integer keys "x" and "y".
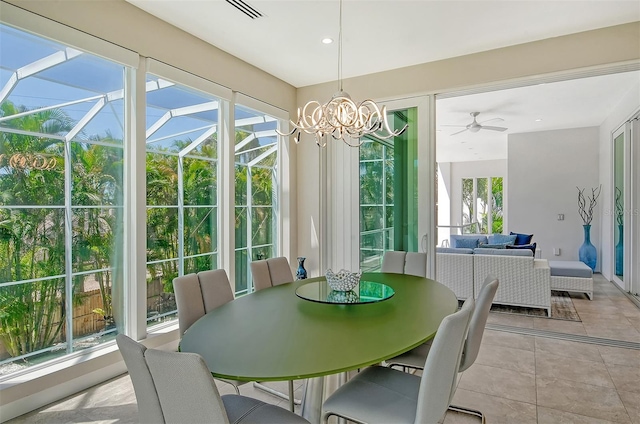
{"x": 173, "y": 387}
{"x": 399, "y": 262}
{"x": 198, "y": 294}
{"x": 271, "y": 272}
{"x": 384, "y": 395}
{"x": 415, "y": 358}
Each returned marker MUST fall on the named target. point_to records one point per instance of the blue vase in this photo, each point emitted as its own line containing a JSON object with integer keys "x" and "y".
{"x": 301, "y": 273}
{"x": 620, "y": 251}
{"x": 587, "y": 252}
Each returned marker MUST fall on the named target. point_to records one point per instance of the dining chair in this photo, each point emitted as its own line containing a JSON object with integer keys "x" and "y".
{"x": 415, "y": 358}
{"x": 270, "y": 272}
{"x": 385, "y": 395}
{"x": 399, "y": 262}
{"x": 174, "y": 387}
{"x": 198, "y": 294}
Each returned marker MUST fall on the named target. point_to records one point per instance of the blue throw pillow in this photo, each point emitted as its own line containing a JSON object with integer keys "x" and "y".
{"x": 524, "y": 246}
{"x": 502, "y": 239}
{"x": 491, "y": 246}
{"x": 522, "y": 239}
{"x": 466, "y": 243}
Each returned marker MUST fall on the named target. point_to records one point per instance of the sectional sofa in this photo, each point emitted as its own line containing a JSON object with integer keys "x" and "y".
{"x": 524, "y": 280}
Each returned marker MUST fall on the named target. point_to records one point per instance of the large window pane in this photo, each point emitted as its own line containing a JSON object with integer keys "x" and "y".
{"x": 496, "y": 205}
{"x": 256, "y": 162}
{"x": 61, "y": 167}
{"x": 182, "y": 153}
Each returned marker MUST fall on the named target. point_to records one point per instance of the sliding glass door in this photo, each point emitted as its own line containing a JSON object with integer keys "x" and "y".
{"x": 394, "y": 188}
{"x": 619, "y": 203}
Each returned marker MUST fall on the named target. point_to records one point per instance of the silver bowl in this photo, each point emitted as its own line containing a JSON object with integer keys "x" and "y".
{"x": 342, "y": 280}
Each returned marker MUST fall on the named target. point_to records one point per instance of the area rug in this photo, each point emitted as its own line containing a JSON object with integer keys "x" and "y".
{"x": 561, "y": 308}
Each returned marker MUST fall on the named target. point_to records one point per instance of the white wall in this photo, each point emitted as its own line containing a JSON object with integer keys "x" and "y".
{"x": 623, "y": 111}
{"x": 544, "y": 169}
{"x": 523, "y": 62}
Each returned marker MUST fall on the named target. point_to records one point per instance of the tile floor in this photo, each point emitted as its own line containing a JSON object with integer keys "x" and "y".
{"x": 517, "y": 378}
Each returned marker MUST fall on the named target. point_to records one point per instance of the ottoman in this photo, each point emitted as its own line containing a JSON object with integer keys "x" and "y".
{"x": 571, "y": 276}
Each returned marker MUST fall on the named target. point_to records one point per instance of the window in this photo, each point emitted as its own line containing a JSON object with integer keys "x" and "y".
{"x": 482, "y": 210}
{"x": 64, "y": 280}
{"x": 61, "y": 207}
{"x": 182, "y": 187}
{"x": 256, "y": 191}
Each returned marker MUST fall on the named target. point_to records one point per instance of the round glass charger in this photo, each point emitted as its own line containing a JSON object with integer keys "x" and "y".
{"x": 364, "y": 292}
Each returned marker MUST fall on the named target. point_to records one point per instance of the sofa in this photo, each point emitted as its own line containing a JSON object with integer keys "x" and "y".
{"x": 524, "y": 280}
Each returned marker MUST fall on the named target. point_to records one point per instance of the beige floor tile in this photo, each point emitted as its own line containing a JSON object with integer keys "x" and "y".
{"x": 515, "y": 341}
{"x": 631, "y": 402}
{"x": 619, "y": 356}
{"x": 568, "y": 349}
{"x": 559, "y": 326}
{"x": 626, "y": 379}
{"x": 507, "y": 358}
{"x": 594, "y": 318}
{"x": 634, "y": 321}
{"x": 588, "y": 372}
{"x": 497, "y": 410}
{"x": 554, "y": 416}
{"x": 580, "y": 398}
{"x": 510, "y": 319}
{"x": 499, "y": 382}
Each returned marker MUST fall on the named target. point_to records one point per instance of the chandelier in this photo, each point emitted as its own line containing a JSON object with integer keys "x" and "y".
{"x": 341, "y": 117}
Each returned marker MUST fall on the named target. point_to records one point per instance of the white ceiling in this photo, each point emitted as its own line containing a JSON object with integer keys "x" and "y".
{"x": 387, "y": 34}
{"x": 378, "y": 34}
{"x": 584, "y": 102}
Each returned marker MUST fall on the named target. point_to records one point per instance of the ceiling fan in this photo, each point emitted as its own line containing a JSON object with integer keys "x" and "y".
{"x": 476, "y": 126}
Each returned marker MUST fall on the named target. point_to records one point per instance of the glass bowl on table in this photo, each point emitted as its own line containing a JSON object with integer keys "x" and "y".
{"x": 342, "y": 280}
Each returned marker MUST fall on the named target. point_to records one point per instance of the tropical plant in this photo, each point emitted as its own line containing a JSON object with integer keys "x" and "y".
{"x": 32, "y": 239}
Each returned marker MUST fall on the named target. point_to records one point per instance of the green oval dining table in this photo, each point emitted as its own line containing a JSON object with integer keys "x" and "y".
{"x": 274, "y": 335}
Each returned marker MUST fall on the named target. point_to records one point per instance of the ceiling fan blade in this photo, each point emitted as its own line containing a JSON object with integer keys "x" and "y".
{"x": 484, "y": 127}
{"x": 459, "y": 132}
{"x": 492, "y": 119}
{"x": 459, "y": 126}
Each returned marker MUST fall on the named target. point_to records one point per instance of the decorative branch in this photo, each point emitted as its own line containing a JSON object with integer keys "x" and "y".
{"x": 619, "y": 208}
{"x": 587, "y": 213}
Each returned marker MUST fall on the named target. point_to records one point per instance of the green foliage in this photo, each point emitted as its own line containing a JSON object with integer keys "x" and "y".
{"x": 32, "y": 240}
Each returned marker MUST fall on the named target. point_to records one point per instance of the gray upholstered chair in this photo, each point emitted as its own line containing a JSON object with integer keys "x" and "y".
{"x": 271, "y": 272}
{"x": 149, "y": 410}
{"x": 197, "y": 294}
{"x": 384, "y": 395}
{"x": 399, "y": 262}
{"x": 174, "y": 387}
{"x": 268, "y": 273}
{"x": 415, "y": 358}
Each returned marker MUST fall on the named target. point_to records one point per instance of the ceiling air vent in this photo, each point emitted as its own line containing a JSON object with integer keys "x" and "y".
{"x": 245, "y": 8}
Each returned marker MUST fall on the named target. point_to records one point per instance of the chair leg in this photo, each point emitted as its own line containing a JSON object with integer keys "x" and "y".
{"x": 292, "y": 399}
{"x": 468, "y": 411}
{"x": 275, "y": 392}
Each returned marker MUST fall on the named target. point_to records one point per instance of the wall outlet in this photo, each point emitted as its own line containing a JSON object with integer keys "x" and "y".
{"x": 556, "y": 251}
{"x": 560, "y": 217}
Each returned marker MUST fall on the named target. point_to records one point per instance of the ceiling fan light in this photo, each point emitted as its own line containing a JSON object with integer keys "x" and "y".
{"x": 475, "y": 129}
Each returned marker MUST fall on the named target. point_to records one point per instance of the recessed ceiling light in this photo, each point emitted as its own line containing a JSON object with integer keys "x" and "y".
{"x": 327, "y": 40}
{"x": 538, "y": 120}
